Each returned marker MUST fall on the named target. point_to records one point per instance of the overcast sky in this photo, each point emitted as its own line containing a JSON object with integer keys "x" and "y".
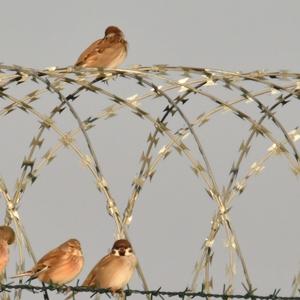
{"x": 172, "y": 216}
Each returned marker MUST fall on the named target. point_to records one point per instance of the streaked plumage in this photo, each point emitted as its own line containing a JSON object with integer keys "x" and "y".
{"x": 108, "y": 52}
{"x": 59, "y": 266}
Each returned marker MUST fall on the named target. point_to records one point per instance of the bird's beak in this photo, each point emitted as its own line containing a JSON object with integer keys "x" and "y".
{"x": 122, "y": 251}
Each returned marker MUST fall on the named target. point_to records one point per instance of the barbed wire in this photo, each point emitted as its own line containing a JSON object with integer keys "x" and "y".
{"x": 152, "y": 293}
{"x": 174, "y": 86}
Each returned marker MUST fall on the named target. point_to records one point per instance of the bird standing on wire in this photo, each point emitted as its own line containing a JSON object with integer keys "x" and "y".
{"x": 60, "y": 265}
{"x": 108, "y": 52}
{"x": 7, "y": 237}
{"x": 114, "y": 270}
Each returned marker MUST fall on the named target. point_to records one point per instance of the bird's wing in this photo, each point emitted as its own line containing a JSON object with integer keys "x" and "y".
{"x": 103, "y": 51}
{"x": 109, "y": 268}
{"x": 47, "y": 261}
{"x": 91, "y": 278}
{"x": 94, "y": 49}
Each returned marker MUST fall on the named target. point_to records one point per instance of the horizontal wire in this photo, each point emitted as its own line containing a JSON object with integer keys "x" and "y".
{"x": 152, "y": 293}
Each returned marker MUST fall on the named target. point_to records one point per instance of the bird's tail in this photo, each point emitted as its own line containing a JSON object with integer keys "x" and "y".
{"x": 71, "y": 295}
{"x": 28, "y": 273}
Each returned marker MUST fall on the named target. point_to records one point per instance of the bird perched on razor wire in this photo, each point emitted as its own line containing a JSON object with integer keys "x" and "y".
{"x": 108, "y": 52}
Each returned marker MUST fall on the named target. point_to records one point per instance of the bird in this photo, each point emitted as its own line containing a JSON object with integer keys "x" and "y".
{"x": 59, "y": 266}
{"x": 108, "y": 52}
{"x": 7, "y": 237}
{"x": 114, "y": 270}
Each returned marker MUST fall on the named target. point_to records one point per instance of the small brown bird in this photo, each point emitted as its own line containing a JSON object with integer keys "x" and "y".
{"x": 114, "y": 270}
{"x": 60, "y": 265}
{"x": 108, "y": 52}
{"x": 7, "y": 237}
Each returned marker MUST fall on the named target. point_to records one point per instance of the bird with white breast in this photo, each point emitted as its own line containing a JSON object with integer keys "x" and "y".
{"x": 114, "y": 270}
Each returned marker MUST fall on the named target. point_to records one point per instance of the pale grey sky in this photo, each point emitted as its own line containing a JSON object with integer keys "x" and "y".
{"x": 172, "y": 216}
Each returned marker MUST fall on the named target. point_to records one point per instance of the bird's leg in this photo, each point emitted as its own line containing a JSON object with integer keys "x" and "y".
{"x": 121, "y": 294}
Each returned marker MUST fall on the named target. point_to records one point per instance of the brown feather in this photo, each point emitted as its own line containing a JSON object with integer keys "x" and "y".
{"x": 7, "y": 234}
{"x": 4, "y": 255}
{"x": 91, "y": 278}
{"x": 108, "y": 52}
{"x": 114, "y": 270}
{"x": 60, "y": 265}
